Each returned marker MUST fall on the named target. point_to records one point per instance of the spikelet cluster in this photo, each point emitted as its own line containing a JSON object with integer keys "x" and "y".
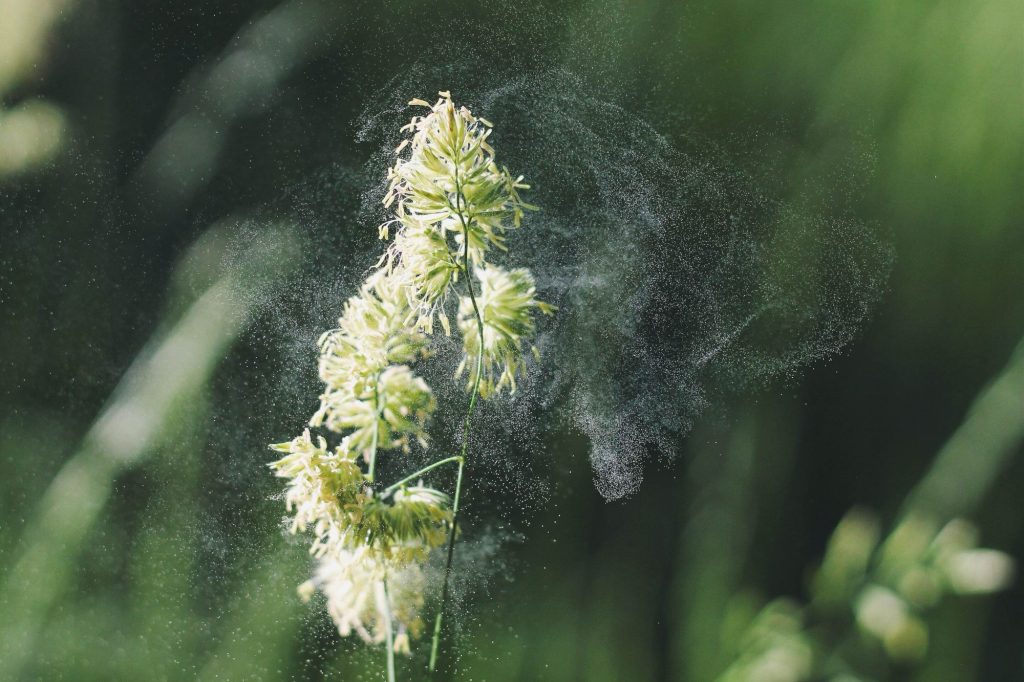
{"x": 506, "y": 302}
{"x": 452, "y": 207}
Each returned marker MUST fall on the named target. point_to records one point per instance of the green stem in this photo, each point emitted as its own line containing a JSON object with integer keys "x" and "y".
{"x": 395, "y": 486}
{"x": 435, "y": 642}
{"x": 474, "y": 392}
{"x": 390, "y": 634}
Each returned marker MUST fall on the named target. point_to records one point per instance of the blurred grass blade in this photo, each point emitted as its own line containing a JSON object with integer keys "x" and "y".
{"x": 173, "y": 367}
{"x": 245, "y": 77}
{"x": 264, "y": 619}
{"x": 25, "y": 37}
{"x": 735, "y": 472}
{"x": 978, "y": 451}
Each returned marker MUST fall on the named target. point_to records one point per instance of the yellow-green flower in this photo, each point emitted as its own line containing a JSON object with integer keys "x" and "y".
{"x": 420, "y": 259}
{"x": 450, "y": 179}
{"x": 362, "y": 588}
{"x": 322, "y": 483}
{"x": 396, "y": 408}
{"x": 361, "y": 365}
{"x": 506, "y": 302}
{"x": 415, "y": 521}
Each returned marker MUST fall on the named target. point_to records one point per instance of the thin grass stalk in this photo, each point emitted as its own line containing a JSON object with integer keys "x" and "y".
{"x": 475, "y": 391}
{"x": 390, "y": 643}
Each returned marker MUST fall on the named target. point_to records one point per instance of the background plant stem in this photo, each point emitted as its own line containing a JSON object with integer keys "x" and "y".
{"x": 981, "y": 447}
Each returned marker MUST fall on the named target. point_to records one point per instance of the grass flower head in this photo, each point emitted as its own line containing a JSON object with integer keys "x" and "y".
{"x": 452, "y": 206}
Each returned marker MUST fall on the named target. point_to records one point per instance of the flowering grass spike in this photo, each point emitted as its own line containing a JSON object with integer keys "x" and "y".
{"x": 452, "y": 208}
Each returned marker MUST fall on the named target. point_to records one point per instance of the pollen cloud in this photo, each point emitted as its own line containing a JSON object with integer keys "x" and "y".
{"x": 677, "y": 277}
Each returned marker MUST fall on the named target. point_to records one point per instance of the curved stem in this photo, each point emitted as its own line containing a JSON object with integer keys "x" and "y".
{"x": 474, "y": 392}
{"x": 398, "y": 484}
{"x": 436, "y": 640}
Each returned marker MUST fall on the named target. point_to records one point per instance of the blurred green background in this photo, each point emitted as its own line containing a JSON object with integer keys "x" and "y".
{"x": 140, "y": 141}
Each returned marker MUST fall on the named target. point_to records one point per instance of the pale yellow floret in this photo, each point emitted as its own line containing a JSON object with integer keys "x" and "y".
{"x": 353, "y": 581}
{"x": 421, "y": 261}
{"x": 507, "y": 303}
{"x": 321, "y": 483}
{"x": 450, "y": 180}
{"x": 373, "y": 332}
{"x": 367, "y": 386}
{"x": 396, "y": 407}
